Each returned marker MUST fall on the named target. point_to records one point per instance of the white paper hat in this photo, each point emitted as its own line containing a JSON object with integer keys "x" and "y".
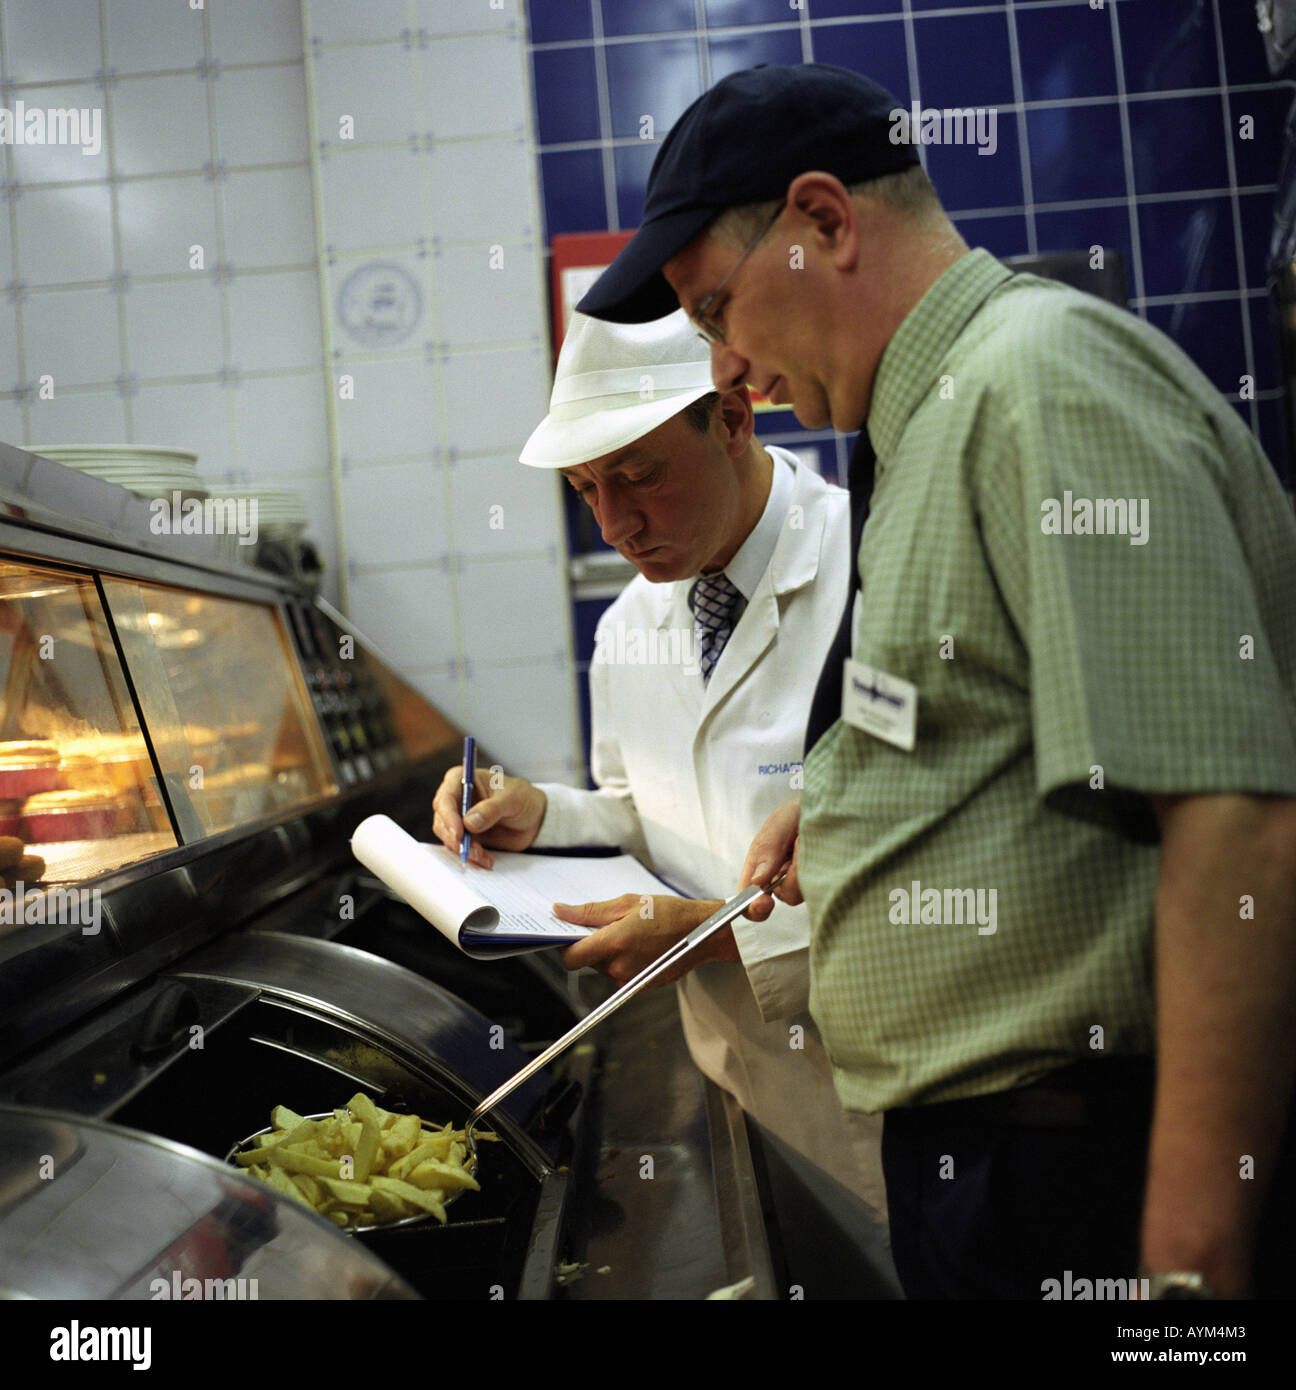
{"x": 615, "y": 383}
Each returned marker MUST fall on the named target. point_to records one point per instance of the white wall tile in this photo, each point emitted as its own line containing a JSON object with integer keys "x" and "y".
{"x": 282, "y": 424}
{"x": 9, "y": 373}
{"x": 188, "y": 415}
{"x": 381, "y": 304}
{"x": 473, "y": 86}
{"x": 494, "y": 399}
{"x": 58, "y": 163}
{"x": 479, "y": 191}
{"x": 255, "y": 31}
{"x": 64, "y": 235}
{"x": 409, "y": 613}
{"x": 13, "y": 425}
{"x": 343, "y": 21}
{"x": 395, "y": 409}
{"x": 149, "y": 35}
{"x": 514, "y": 610}
{"x": 269, "y": 218}
{"x": 159, "y": 125}
{"x": 275, "y": 320}
{"x": 373, "y": 198}
{"x": 161, "y": 219}
{"x": 404, "y": 503}
{"x": 376, "y": 87}
{"x": 174, "y": 329}
{"x": 505, "y": 701}
{"x": 527, "y": 498}
{"x": 6, "y": 241}
{"x": 468, "y": 16}
{"x": 479, "y": 304}
{"x": 261, "y": 115}
{"x": 441, "y": 684}
{"x": 42, "y": 43}
{"x": 72, "y": 335}
{"x": 77, "y": 417}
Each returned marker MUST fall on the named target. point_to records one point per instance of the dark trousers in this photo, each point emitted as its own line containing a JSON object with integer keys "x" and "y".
{"x": 991, "y": 1197}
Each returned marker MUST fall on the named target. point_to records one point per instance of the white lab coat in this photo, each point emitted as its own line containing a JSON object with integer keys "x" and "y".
{"x": 688, "y": 771}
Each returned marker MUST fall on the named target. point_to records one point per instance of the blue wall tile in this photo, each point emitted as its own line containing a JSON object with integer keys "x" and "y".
{"x": 1273, "y": 437}
{"x": 849, "y": 9}
{"x": 633, "y": 165}
{"x": 1075, "y": 153}
{"x": 1169, "y": 45}
{"x": 1166, "y": 162}
{"x": 1264, "y": 343}
{"x": 873, "y": 50}
{"x": 658, "y": 79}
{"x": 1188, "y": 246}
{"x": 721, "y": 13}
{"x": 1181, "y": 144}
{"x": 552, "y": 20}
{"x": 966, "y": 179}
{"x": 1001, "y": 236}
{"x": 1254, "y": 158}
{"x": 1077, "y": 229}
{"x": 1244, "y": 52}
{"x": 1256, "y": 211}
{"x": 946, "y": 77}
{"x": 1065, "y": 52}
{"x": 740, "y": 51}
{"x": 572, "y": 184}
{"x": 1210, "y": 333}
{"x": 647, "y": 16}
{"x": 568, "y": 79}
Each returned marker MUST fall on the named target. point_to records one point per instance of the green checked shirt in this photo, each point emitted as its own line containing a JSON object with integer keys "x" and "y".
{"x": 1083, "y": 561}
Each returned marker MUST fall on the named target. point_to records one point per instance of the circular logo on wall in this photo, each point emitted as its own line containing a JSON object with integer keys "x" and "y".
{"x": 379, "y": 304}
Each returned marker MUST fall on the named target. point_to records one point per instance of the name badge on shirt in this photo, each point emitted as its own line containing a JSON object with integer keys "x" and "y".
{"x": 881, "y": 705}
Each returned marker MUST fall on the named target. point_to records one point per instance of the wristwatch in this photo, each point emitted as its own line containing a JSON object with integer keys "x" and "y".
{"x": 1178, "y": 1284}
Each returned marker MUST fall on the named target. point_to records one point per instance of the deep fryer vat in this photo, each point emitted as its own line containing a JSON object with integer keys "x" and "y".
{"x": 271, "y": 1053}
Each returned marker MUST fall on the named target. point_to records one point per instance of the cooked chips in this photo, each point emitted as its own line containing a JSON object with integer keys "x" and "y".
{"x": 361, "y": 1166}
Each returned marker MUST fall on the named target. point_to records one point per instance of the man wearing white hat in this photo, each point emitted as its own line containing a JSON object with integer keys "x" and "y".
{"x": 701, "y": 683}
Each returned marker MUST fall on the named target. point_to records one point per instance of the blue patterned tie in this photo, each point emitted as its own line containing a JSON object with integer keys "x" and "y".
{"x": 712, "y": 600}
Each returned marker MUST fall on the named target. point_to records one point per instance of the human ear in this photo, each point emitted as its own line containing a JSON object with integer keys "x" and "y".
{"x": 827, "y": 214}
{"x": 738, "y": 423}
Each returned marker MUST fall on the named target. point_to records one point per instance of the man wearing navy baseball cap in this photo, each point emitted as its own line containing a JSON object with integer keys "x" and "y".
{"x": 1049, "y": 846}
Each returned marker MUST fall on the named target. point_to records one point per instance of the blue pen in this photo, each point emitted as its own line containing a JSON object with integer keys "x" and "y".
{"x": 469, "y": 778}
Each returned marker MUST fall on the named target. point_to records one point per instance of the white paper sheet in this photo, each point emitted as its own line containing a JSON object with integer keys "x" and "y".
{"x": 500, "y": 911}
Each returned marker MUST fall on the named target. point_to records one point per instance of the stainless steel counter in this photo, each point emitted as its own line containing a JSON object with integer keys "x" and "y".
{"x": 675, "y": 1212}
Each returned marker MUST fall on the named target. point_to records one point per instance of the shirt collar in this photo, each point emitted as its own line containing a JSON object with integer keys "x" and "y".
{"x": 755, "y": 553}
{"x": 911, "y": 361}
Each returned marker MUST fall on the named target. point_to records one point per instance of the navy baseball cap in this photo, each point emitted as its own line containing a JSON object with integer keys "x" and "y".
{"x": 744, "y": 141}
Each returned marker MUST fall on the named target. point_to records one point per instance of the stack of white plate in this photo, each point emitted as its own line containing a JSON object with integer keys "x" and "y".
{"x": 147, "y": 471}
{"x": 281, "y": 513}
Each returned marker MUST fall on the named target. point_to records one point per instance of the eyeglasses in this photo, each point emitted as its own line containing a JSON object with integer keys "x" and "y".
{"x": 712, "y": 332}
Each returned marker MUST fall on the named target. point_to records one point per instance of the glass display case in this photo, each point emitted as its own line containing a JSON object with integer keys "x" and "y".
{"x": 78, "y": 791}
{"x": 223, "y": 697}
{"x": 138, "y": 717}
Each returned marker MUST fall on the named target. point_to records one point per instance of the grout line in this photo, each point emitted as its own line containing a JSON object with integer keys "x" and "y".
{"x": 703, "y": 47}
{"x": 114, "y": 204}
{"x": 226, "y": 313}
{"x": 326, "y": 317}
{"x": 1127, "y": 156}
{"x": 1023, "y": 134}
{"x": 11, "y": 216}
{"x": 1248, "y": 346}
{"x": 603, "y": 94}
